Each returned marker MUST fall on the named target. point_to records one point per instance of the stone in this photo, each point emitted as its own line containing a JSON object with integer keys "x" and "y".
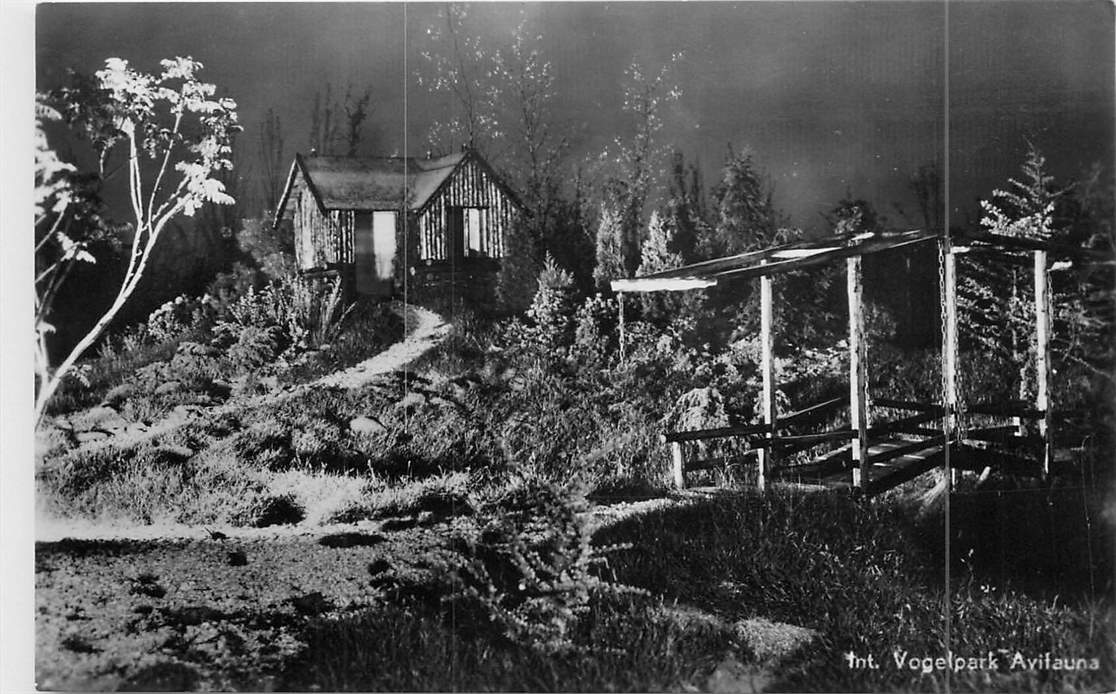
{"x": 773, "y": 641}
{"x": 118, "y": 395}
{"x": 176, "y": 453}
{"x": 135, "y": 429}
{"x": 88, "y": 436}
{"x": 733, "y": 677}
{"x": 410, "y": 401}
{"x": 168, "y": 388}
{"x": 180, "y": 414}
{"x": 365, "y": 426}
{"x": 101, "y": 418}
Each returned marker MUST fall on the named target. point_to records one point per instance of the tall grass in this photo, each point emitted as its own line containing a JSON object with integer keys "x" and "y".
{"x": 626, "y": 644}
{"x": 105, "y": 372}
{"x": 869, "y": 579}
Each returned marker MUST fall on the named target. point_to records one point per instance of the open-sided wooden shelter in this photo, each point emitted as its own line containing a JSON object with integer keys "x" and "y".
{"x": 883, "y": 453}
{"x": 441, "y": 221}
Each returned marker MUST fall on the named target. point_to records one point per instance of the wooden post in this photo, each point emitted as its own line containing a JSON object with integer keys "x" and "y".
{"x": 858, "y": 381}
{"x": 620, "y": 301}
{"x": 949, "y": 348}
{"x": 677, "y": 465}
{"x": 767, "y": 371}
{"x": 1042, "y": 358}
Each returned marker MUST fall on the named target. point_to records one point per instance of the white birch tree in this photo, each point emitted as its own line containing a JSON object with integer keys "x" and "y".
{"x": 176, "y": 137}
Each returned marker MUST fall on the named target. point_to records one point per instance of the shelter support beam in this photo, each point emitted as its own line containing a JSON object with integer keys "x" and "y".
{"x": 620, "y": 302}
{"x": 767, "y": 371}
{"x": 676, "y": 465}
{"x": 858, "y": 377}
{"x": 1042, "y": 357}
{"x": 949, "y": 344}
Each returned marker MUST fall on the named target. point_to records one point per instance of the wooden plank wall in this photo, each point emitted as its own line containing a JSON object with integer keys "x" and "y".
{"x": 339, "y": 244}
{"x": 322, "y": 240}
{"x": 472, "y": 186}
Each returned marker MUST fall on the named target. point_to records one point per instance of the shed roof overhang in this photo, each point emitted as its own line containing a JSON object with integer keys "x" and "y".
{"x": 772, "y": 261}
{"x": 988, "y": 242}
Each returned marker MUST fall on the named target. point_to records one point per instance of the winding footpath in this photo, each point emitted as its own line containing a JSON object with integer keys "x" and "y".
{"x": 423, "y": 328}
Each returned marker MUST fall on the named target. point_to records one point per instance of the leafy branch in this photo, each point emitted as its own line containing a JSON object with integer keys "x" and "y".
{"x": 177, "y": 136}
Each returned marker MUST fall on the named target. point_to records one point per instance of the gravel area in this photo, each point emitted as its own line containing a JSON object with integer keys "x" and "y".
{"x": 193, "y": 613}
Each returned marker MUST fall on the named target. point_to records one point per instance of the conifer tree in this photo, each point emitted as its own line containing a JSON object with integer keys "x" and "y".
{"x": 996, "y": 292}
{"x": 610, "y": 264}
{"x": 746, "y": 217}
{"x": 553, "y": 306}
{"x": 656, "y": 255}
{"x": 686, "y": 207}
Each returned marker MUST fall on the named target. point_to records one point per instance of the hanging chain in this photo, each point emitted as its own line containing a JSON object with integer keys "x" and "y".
{"x": 961, "y": 416}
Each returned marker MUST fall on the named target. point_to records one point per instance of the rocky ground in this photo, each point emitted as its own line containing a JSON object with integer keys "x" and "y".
{"x": 105, "y": 424}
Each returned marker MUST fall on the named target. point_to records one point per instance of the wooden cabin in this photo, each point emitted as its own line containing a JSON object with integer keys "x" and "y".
{"x": 436, "y": 225}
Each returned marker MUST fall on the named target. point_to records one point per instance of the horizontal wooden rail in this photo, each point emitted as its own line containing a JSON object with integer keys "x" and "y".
{"x": 909, "y": 405}
{"x": 900, "y": 451}
{"x": 1023, "y": 410}
{"x": 716, "y": 433}
{"x": 904, "y": 425}
{"x": 920, "y": 431}
{"x": 813, "y": 412}
{"x": 789, "y": 445}
{"x": 820, "y": 437}
{"x": 802, "y": 416}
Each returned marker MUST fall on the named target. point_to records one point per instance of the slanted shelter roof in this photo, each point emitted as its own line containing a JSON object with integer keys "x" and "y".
{"x": 772, "y": 261}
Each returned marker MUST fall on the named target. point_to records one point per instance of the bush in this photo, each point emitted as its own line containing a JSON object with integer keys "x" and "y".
{"x": 271, "y": 251}
{"x": 254, "y": 346}
{"x": 297, "y": 313}
{"x": 228, "y": 287}
{"x": 369, "y": 329}
{"x": 595, "y": 331}
{"x": 282, "y": 509}
{"x": 177, "y": 318}
{"x": 523, "y": 571}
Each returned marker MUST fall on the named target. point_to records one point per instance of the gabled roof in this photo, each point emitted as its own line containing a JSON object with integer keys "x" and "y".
{"x": 371, "y": 183}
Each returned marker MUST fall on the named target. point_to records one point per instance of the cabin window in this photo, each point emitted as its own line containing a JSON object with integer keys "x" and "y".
{"x": 466, "y": 232}
{"x": 473, "y": 244}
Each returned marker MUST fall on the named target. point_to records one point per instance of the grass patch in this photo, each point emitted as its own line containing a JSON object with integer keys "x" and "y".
{"x": 867, "y": 578}
{"x": 104, "y": 373}
{"x": 444, "y": 495}
{"x": 623, "y": 645}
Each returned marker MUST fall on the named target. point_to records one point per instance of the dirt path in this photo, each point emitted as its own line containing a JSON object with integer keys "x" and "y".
{"x": 423, "y": 330}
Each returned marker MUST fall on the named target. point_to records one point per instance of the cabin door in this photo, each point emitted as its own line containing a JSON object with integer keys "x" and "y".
{"x": 374, "y": 253}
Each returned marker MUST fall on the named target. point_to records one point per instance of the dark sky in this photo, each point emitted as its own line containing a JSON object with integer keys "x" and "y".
{"x": 831, "y": 97}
